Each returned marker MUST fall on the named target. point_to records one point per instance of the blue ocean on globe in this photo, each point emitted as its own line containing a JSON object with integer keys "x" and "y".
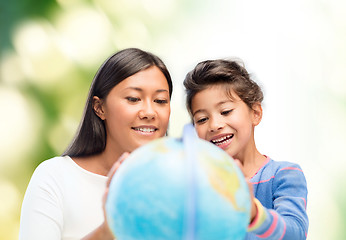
{"x": 178, "y": 189}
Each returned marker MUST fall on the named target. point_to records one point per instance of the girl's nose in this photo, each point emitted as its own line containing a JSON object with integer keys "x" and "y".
{"x": 216, "y": 124}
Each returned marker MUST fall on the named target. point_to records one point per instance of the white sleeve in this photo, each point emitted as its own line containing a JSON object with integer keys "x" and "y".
{"x": 42, "y": 213}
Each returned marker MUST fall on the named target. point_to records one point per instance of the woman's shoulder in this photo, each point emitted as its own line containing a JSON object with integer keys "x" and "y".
{"x": 54, "y": 163}
{"x": 52, "y": 167}
{"x": 64, "y": 167}
{"x": 48, "y": 176}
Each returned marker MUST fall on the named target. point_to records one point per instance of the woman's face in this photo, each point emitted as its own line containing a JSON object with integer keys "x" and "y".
{"x": 137, "y": 110}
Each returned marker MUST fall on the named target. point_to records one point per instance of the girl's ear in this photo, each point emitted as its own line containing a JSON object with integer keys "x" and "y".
{"x": 98, "y": 107}
{"x": 257, "y": 113}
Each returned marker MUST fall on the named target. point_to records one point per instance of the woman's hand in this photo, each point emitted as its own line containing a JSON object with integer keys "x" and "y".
{"x": 253, "y": 205}
{"x": 110, "y": 175}
{"x": 103, "y": 231}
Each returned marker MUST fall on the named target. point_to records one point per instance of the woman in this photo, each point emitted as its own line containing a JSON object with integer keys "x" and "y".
{"x": 128, "y": 105}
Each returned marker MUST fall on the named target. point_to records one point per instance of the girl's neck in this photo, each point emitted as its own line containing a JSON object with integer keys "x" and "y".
{"x": 252, "y": 161}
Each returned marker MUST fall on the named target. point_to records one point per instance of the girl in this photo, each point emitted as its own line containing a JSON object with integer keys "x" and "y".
{"x": 128, "y": 105}
{"x": 225, "y": 106}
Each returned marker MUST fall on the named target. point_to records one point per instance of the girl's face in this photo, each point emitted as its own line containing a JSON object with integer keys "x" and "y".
{"x": 227, "y": 123}
{"x": 136, "y": 110}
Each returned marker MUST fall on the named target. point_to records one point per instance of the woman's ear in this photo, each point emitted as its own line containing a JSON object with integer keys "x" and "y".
{"x": 257, "y": 113}
{"x": 98, "y": 107}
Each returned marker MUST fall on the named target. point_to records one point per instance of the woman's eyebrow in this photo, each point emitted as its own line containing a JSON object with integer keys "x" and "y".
{"x": 135, "y": 88}
{"x": 162, "y": 90}
{"x": 141, "y": 90}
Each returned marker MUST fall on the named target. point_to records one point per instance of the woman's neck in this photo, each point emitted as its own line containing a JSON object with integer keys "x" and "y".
{"x": 100, "y": 163}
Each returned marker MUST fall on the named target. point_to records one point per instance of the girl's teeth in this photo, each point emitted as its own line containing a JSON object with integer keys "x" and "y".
{"x": 219, "y": 143}
{"x": 219, "y": 140}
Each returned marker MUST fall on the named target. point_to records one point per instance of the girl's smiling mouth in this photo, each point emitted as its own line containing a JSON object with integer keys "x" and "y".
{"x": 222, "y": 141}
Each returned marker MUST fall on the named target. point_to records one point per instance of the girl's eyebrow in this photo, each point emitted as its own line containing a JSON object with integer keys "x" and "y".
{"x": 223, "y": 102}
{"x": 198, "y": 111}
{"x": 218, "y": 104}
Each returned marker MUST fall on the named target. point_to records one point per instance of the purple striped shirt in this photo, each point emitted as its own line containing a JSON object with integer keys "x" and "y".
{"x": 281, "y": 188}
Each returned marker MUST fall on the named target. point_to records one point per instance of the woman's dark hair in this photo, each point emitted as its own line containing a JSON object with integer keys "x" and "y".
{"x": 91, "y": 134}
{"x": 228, "y": 73}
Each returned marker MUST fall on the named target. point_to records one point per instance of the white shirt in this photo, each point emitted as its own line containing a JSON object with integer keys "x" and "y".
{"x": 62, "y": 202}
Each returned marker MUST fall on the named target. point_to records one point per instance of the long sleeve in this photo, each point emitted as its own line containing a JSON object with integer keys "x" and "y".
{"x": 62, "y": 202}
{"x": 283, "y": 212}
{"x": 41, "y": 215}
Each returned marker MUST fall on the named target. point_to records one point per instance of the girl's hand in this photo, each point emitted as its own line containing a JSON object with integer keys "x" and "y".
{"x": 253, "y": 205}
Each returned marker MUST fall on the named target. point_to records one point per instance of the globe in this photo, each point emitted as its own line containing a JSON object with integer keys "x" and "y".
{"x": 178, "y": 189}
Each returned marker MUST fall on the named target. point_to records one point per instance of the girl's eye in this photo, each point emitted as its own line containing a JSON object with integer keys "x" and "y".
{"x": 201, "y": 120}
{"x": 226, "y": 112}
{"x": 161, "y": 101}
{"x": 132, "y": 99}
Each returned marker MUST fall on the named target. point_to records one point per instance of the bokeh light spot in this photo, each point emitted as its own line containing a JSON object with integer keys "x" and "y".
{"x": 36, "y": 43}
{"x": 11, "y": 71}
{"x": 85, "y": 34}
{"x": 19, "y": 124}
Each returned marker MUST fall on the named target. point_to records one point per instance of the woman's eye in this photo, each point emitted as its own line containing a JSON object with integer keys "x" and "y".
{"x": 132, "y": 99}
{"x": 226, "y": 112}
{"x": 161, "y": 101}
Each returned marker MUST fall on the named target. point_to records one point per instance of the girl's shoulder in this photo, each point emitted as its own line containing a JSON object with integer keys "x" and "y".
{"x": 278, "y": 169}
{"x": 276, "y": 166}
{"x": 281, "y": 171}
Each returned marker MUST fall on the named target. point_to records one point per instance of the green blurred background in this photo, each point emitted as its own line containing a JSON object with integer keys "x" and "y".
{"x": 50, "y": 50}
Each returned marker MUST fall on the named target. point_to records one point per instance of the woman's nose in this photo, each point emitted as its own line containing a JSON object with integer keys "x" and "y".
{"x": 147, "y": 111}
